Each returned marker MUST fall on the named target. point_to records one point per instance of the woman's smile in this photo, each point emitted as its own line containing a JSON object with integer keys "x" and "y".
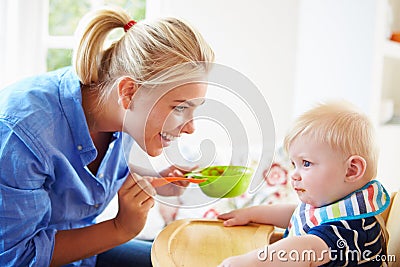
{"x": 166, "y": 138}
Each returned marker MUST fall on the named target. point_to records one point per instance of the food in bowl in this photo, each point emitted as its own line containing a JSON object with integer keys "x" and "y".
{"x": 224, "y": 181}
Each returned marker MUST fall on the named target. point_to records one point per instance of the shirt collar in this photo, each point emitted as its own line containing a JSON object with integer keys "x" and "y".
{"x": 71, "y": 103}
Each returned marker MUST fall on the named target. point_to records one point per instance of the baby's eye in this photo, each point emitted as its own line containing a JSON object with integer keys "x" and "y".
{"x": 306, "y": 163}
{"x": 180, "y": 108}
{"x": 293, "y": 165}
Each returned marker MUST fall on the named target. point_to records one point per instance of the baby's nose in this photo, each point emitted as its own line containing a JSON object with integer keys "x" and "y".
{"x": 296, "y": 176}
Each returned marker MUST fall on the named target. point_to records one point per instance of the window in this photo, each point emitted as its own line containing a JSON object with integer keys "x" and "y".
{"x": 64, "y": 16}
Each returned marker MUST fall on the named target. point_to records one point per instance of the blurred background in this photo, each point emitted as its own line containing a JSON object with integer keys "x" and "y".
{"x": 296, "y": 52}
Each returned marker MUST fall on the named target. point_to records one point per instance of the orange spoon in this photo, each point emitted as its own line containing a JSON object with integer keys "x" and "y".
{"x": 166, "y": 180}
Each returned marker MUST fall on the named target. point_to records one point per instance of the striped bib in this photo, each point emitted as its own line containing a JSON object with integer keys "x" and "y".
{"x": 370, "y": 200}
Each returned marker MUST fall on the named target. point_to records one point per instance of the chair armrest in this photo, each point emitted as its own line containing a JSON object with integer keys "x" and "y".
{"x": 386, "y": 212}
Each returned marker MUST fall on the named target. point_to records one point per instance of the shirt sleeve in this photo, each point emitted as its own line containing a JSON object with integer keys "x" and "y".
{"x": 25, "y": 207}
{"x": 350, "y": 243}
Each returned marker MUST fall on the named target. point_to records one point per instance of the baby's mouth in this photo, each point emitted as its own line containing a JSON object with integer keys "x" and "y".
{"x": 300, "y": 190}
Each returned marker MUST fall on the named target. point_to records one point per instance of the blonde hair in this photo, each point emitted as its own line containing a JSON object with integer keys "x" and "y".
{"x": 146, "y": 50}
{"x": 344, "y": 128}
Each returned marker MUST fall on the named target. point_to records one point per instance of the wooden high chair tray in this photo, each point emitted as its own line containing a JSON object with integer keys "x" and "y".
{"x": 194, "y": 242}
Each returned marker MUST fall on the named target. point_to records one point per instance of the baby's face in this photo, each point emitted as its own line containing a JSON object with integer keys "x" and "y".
{"x": 318, "y": 174}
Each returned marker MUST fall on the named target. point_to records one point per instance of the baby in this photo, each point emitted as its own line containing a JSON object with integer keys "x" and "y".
{"x": 334, "y": 156}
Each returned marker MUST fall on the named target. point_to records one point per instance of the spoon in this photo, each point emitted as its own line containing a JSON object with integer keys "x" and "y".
{"x": 166, "y": 180}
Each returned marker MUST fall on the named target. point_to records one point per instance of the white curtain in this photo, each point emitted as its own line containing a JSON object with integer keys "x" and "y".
{"x": 23, "y": 34}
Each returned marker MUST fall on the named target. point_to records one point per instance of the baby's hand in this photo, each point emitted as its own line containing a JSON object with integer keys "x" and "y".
{"x": 236, "y": 217}
{"x": 249, "y": 259}
{"x": 229, "y": 262}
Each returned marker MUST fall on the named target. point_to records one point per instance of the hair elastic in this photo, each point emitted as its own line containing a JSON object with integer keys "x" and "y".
{"x": 129, "y": 25}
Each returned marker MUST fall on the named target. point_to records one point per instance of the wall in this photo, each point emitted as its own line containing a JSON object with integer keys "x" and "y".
{"x": 338, "y": 56}
{"x": 257, "y": 38}
{"x": 335, "y": 52}
{"x": 298, "y": 53}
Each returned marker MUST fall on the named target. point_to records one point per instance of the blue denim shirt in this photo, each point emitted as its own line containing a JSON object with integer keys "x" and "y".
{"x": 45, "y": 185}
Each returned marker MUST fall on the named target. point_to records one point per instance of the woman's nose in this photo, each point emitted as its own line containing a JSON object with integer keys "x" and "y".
{"x": 188, "y": 127}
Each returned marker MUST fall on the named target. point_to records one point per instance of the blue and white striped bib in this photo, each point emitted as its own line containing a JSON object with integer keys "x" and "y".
{"x": 370, "y": 200}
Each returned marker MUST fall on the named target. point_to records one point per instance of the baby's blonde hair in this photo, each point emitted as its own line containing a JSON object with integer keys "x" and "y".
{"x": 344, "y": 128}
{"x": 143, "y": 52}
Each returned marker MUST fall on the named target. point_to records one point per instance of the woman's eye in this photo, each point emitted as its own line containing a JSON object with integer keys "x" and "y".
{"x": 306, "y": 163}
{"x": 293, "y": 165}
{"x": 180, "y": 108}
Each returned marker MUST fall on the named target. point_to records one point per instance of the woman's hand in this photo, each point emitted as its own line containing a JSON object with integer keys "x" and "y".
{"x": 175, "y": 188}
{"x": 135, "y": 199}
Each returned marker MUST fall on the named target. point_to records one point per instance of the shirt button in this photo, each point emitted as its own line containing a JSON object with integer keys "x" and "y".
{"x": 79, "y": 147}
{"x": 101, "y": 175}
{"x": 96, "y": 206}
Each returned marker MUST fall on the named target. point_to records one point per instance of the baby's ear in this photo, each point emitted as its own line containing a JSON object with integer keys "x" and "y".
{"x": 356, "y": 166}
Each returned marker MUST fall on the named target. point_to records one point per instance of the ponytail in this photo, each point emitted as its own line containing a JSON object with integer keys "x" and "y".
{"x": 146, "y": 49}
{"x": 92, "y": 33}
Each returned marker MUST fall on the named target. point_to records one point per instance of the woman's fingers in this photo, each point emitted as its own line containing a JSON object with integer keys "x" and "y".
{"x": 182, "y": 183}
{"x": 177, "y": 173}
{"x": 193, "y": 168}
{"x": 143, "y": 186}
{"x": 135, "y": 199}
{"x": 175, "y": 170}
{"x": 134, "y": 184}
{"x": 144, "y": 198}
{"x": 143, "y": 191}
{"x": 137, "y": 191}
{"x": 183, "y": 170}
{"x": 128, "y": 183}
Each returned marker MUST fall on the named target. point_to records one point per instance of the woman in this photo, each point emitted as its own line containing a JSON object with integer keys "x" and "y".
{"x": 63, "y": 134}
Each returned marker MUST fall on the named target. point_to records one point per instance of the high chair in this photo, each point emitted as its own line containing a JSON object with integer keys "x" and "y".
{"x": 391, "y": 217}
{"x": 199, "y": 243}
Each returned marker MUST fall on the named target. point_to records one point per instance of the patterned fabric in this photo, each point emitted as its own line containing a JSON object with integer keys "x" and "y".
{"x": 370, "y": 200}
{"x": 348, "y": 227}
{"x": 352, "y": 243}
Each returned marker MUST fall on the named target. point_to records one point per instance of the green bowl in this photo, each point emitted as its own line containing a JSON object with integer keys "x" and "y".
{"x": 225, "y": 181}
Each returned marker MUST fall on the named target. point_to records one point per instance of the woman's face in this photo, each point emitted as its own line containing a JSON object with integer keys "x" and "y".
{"x": 158, "y": 118}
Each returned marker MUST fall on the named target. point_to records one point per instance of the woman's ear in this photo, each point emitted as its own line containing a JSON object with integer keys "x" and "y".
{"x": 126, "y": 89}
{"x": 356, "y": 167}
